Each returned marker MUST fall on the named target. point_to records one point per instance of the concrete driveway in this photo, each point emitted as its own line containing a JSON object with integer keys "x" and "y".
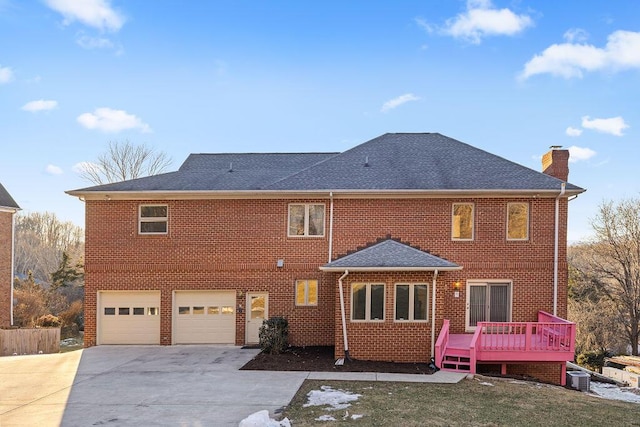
{"x": 139, "y": 385}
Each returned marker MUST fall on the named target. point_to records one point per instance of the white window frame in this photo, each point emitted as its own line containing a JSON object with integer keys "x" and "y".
{"x": 306, "y": 292}
{"x": 306, "y": 220}
{"x": 527, "y": 224}
{"x": 473, "y": 221}
{"x": 142, "y": 219}
{"x": 487, "y": 283}
{"x": 411, "y": 303}
{"x": 367, "y": 310}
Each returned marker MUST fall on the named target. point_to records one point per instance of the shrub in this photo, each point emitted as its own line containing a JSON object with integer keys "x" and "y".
{"x": 48, "y": 321}
{"x": 593, "y": 360}
{"x": 274, "y": 335}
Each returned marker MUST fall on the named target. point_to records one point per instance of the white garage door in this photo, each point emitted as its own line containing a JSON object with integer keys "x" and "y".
{"x": 129, "y": 318}
{"x": 205, "y": 317}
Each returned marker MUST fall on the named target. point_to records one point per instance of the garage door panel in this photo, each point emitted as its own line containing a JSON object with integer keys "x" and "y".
{"x": 129, "y": 318}
{"x": 205, "y": 317}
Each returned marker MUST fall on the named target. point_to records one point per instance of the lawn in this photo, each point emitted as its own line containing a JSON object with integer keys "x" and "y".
{"x": 481, "y": 401}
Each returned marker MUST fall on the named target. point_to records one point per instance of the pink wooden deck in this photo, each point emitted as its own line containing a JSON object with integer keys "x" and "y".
{"x": 551, "y": 339}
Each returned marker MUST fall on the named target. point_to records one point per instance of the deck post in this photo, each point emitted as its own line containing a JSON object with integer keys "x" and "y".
{"x": 527, "y": 337}
{"x": 503, "y": 369}
{"x": 563, "y": 375}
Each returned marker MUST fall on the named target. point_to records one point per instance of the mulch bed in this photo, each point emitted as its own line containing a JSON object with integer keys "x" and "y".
{"x": 322, "y": 359}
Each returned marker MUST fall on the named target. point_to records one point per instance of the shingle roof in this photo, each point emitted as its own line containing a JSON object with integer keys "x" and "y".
{"x": 391, "y": 162}
{"x": 390, "y": 255}
{"x": 6, "y": 201}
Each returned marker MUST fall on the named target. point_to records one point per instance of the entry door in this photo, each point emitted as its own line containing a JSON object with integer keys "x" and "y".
{"x": 488, "y": 302}
{"x": 257, "y": 311}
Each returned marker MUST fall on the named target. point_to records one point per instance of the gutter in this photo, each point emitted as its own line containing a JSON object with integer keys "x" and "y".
{"x": 433, "y": 313}
{"x": 344, "y": 320}
{"x": 555, "y": 250}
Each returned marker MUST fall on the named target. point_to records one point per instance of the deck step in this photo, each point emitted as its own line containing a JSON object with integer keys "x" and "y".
{"x": 457, "y": 360}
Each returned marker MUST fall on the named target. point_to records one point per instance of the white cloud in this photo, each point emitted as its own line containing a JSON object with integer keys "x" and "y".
{"x": 40, "y": 105}
{"x": 396, "y": 102}
{"x": 109, "y": 120}
{"x": 481, "y": 20}
{"x": 94, "y": 13}
{"x": 576, "y": 35}
{"x": 6, "y": 75}
{"x": 568, "y": 60}
{"x": 88, "y": 42}
{"x": 613, "y": 125}
{"x": 577, "y": 154}
{"x": 571, "y": 131}
{"x": 81, "y": 167}
{"x": 53, "y": 170}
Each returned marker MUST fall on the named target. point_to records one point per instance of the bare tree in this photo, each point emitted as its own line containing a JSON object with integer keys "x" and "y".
{"x": 40, "y": 242}
{"x": 612, "y": 262}
{"x": 123, "y": 161}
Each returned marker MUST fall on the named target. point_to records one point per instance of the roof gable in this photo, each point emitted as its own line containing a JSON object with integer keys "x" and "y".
{"x": 390, "y": 255}
{"x": 6, "y": 200}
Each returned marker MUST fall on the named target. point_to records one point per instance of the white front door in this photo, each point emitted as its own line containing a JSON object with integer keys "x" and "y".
{"x": 257, "y": 311}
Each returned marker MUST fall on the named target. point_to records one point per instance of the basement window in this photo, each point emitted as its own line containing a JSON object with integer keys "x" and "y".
{"x": 153, "y": 219}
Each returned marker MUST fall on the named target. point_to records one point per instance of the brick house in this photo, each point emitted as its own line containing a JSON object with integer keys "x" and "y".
{"x": 396, "y": 250}
{"x": 8, "y": 208}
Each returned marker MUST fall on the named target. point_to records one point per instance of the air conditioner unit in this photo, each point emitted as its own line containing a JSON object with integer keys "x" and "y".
{"x": 579, "y": 380}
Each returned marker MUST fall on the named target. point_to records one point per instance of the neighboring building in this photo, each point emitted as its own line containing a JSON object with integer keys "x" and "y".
{"x": 377, "y": 250}
{"x": 8, "y": 208}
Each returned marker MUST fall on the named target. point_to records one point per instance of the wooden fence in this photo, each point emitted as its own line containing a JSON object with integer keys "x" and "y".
{"x": 29, "y": 341}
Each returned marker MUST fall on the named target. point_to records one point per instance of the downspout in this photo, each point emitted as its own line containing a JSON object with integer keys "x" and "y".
{"x": 555, "y": 250}
{"x": 13, "y": 258}
{"x": 330, "y": 225}
{"x": 344, "y": 319}
{"x": 433, "y": 313}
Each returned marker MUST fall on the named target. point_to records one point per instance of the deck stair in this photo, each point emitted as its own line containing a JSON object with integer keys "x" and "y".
{"x": 457, "y": 360}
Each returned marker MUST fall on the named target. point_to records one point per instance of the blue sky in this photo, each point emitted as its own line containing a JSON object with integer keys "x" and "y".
{"x": 510, "y": 77}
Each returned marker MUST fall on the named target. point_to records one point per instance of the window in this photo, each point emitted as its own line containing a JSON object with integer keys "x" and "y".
{"x": 227, "y": 309}
{"x": 306, "y": 292}
{"x": 213, "y": 310}
{"x": 367, "y": 301}
{"x": 152, "y": 311}
{"x": 138, "y": 311}
{"x": 198, "y": 310}
{"x": 153, "y": 219}
{"x": 517, "y": 221}
{"x": 109, "y": 311}
{"x": 411, "y": 302}
{"x": 488, "y": 302}
{"x": 306, "y": 220}
{"x": 184, "y": 310}
{"x": 462, "y": 221}
{"x": 123, "y": 311}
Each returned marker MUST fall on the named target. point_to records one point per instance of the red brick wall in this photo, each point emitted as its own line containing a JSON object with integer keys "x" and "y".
{"x": 544, "y": 372}
{"x": 234, "y": 244}
{"x": 6, "y": 242}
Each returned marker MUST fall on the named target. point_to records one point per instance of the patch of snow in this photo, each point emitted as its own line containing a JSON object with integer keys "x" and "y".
{"x": 336, "y": 399}
{"x": 356, "y": 416}
{"x": 485, "y": 383}
{"x": 261, "y": 419}
{"x": 613, "y": 392}
{"x": 325, "y": 418}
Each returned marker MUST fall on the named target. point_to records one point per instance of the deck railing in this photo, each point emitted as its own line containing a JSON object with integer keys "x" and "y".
{"x": 442, "y": 343}
{"x": 550, "y": 333}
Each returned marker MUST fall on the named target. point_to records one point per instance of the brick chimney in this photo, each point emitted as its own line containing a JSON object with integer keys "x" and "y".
{"x": 556, "y": 163}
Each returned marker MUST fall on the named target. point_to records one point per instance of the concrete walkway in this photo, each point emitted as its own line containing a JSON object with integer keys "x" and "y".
{"x": 150, "y": 385}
